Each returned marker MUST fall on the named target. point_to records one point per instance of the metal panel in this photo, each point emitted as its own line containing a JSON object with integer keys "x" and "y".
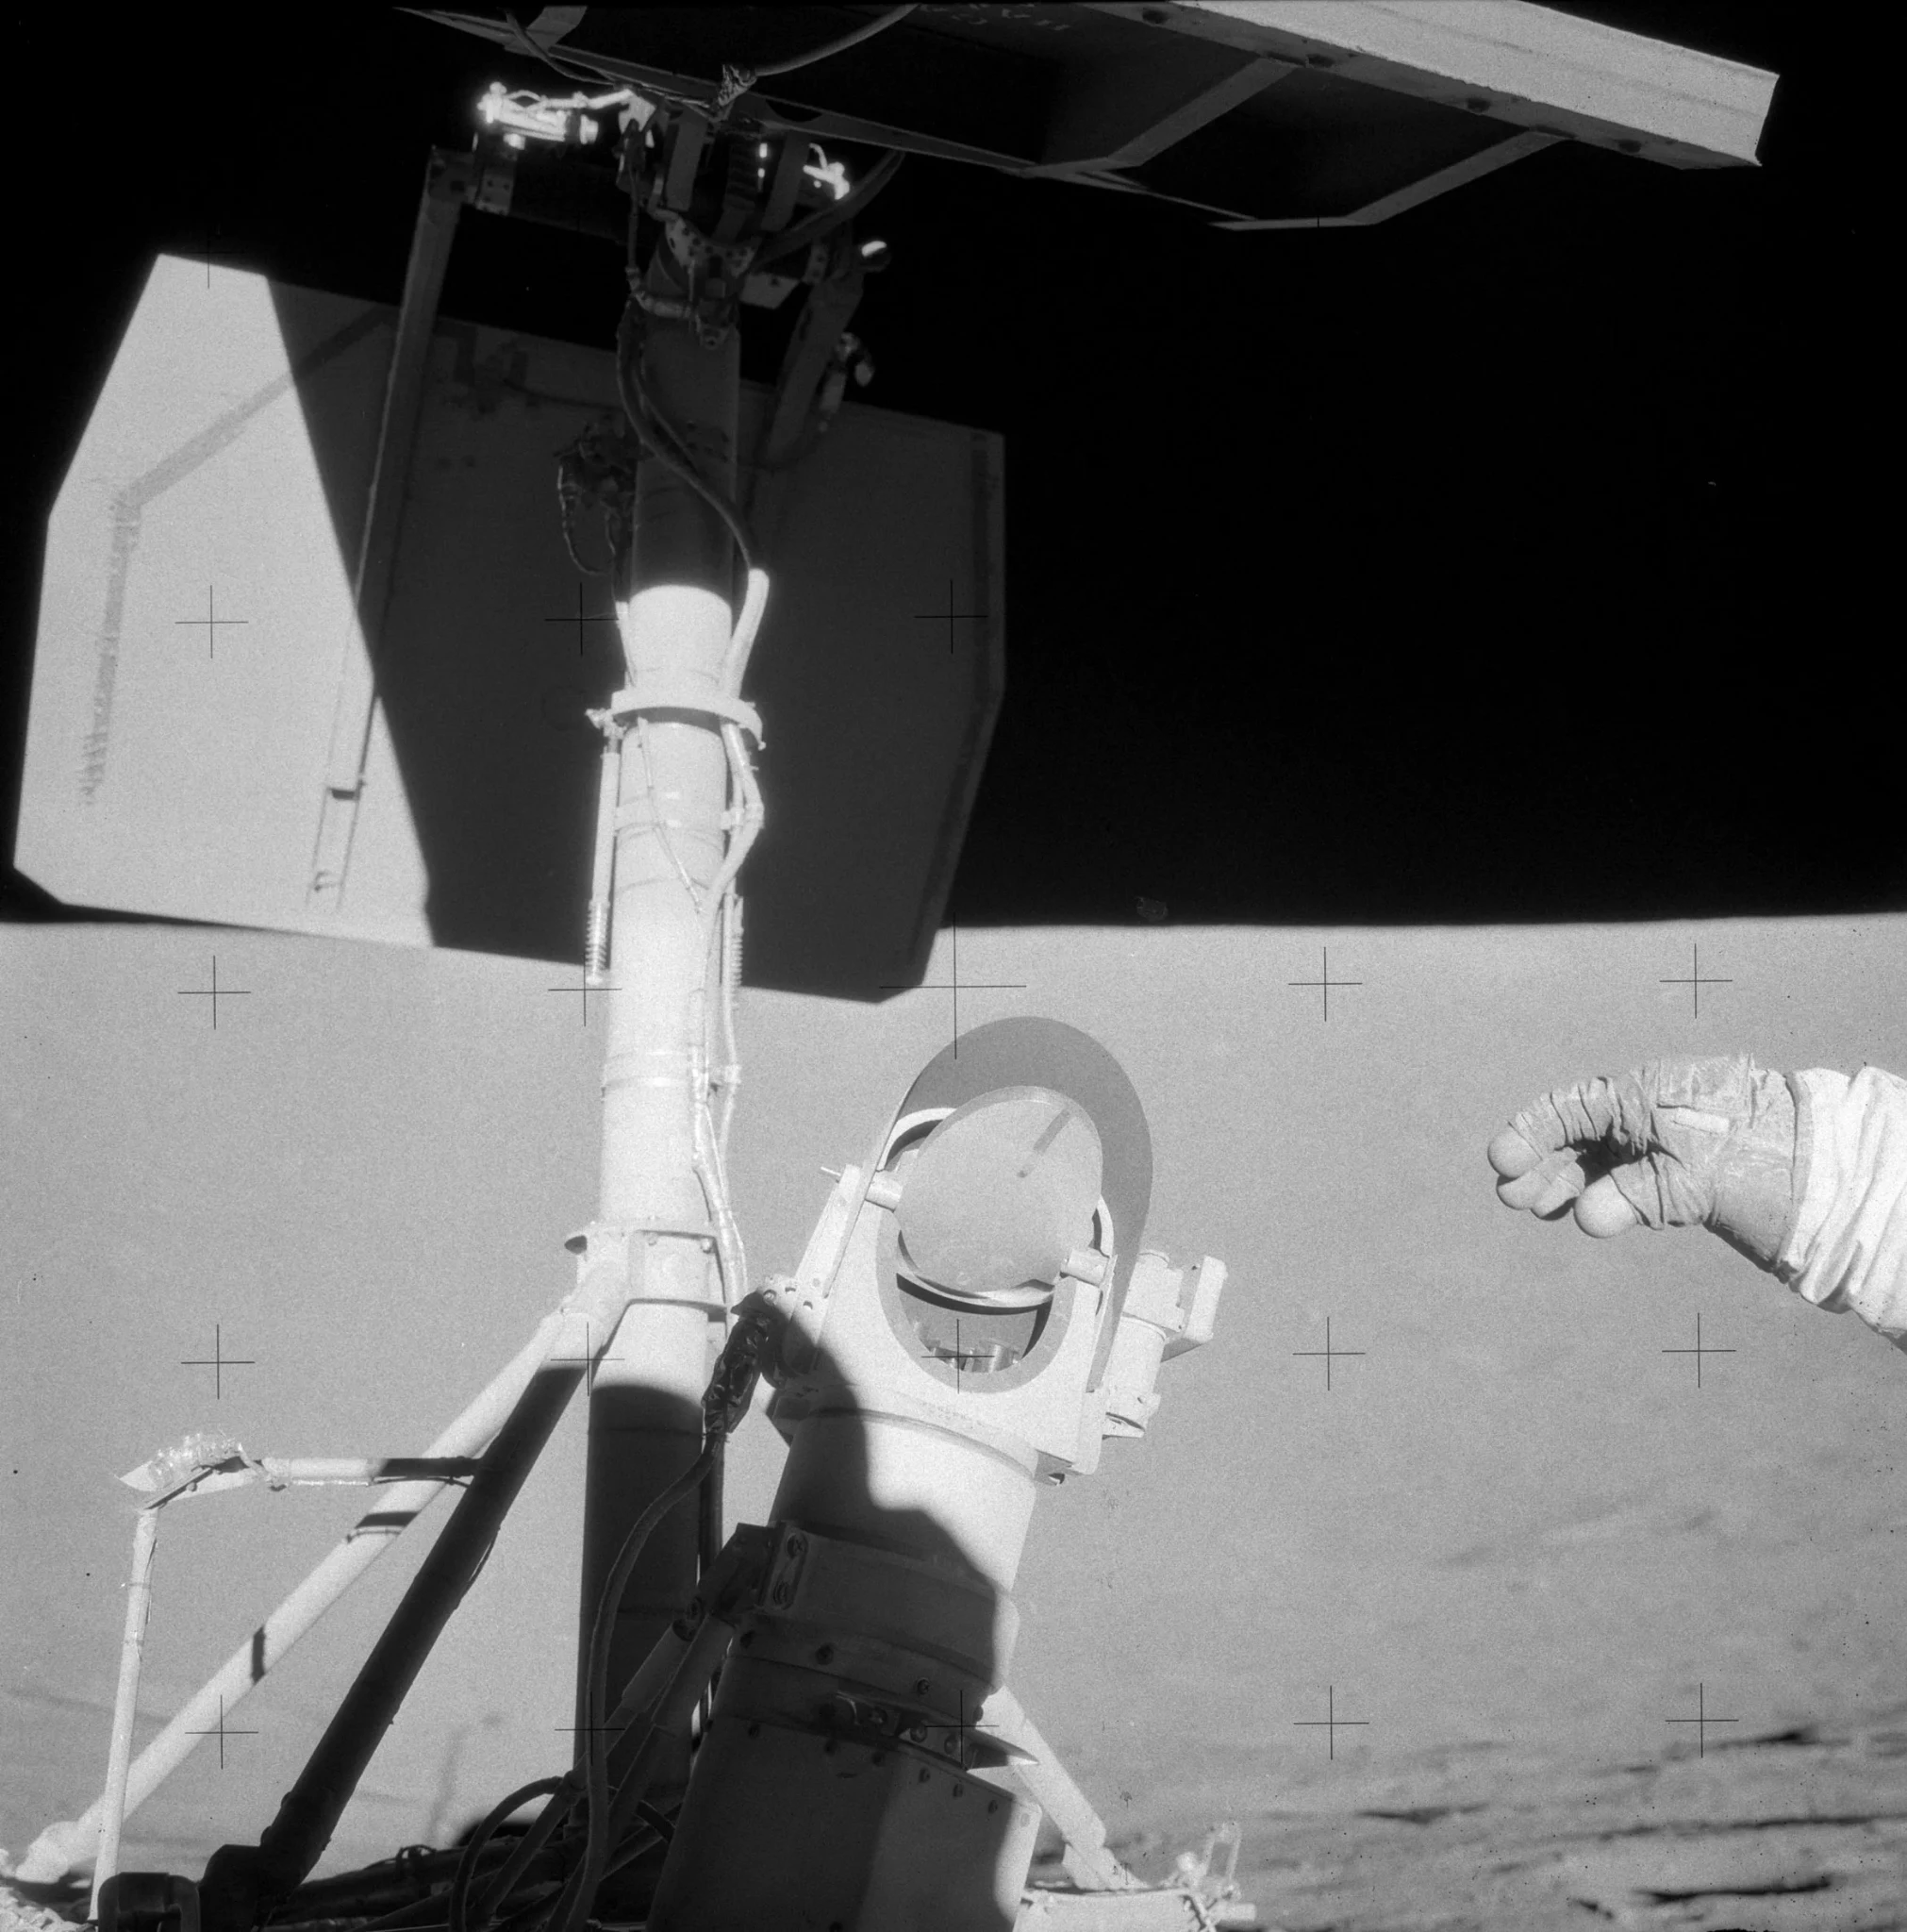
{"x": 1277, "y": 113}
{"x": 197, "y": 615}
{"x": 1514, "y": 61}
{"x": 197, "y": 626}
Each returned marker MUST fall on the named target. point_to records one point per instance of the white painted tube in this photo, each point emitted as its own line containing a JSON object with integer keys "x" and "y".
{"x": 754, "y": 603}
{"x": 60, "y": 1847}
{"x": 111, "y": 1808}
{"x": 299, "y": 1472}
{"x": 1089, "y": 1863}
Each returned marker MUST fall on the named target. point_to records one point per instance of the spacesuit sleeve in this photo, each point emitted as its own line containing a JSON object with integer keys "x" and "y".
{"x": 1847, "y": 1248}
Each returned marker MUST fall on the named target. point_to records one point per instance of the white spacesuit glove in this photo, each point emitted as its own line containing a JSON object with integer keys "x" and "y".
{"x": 1681, "y": 1144}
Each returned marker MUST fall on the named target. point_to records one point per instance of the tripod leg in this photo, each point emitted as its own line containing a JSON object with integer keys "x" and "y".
{"x": 241, "y": 1879}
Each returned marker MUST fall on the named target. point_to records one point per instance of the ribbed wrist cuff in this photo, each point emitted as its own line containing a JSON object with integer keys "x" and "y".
{"x": 1785, "y": 1270}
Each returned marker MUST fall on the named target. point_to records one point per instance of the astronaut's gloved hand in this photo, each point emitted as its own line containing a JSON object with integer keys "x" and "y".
{"x": 1680, "y": 1143}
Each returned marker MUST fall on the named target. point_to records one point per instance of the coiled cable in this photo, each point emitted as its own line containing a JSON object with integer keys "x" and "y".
{"x": 533, "y": 1841}
{"x": 590, "y": 1870}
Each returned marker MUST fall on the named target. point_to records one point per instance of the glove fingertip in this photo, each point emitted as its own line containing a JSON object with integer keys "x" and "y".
{"x": 1511, "y": 1154}
{"x": 1604, "y": 1210}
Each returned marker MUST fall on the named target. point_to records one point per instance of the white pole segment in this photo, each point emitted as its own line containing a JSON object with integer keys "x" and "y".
{"x": 125, "y": 1701}
{"x": 673, "y": 835}
{"x": 1089, "y": 1863}
{"x": 62, "y": 1847}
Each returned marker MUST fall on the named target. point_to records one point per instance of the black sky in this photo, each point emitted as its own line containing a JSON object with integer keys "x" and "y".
{"x": 1521, "y": 559}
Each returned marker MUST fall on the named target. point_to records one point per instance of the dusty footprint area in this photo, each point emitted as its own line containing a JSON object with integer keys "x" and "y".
{"x": 1799, "y": 1831}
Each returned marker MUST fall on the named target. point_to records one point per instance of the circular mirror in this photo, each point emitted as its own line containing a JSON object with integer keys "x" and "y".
{"x": 1001, "y": 1192}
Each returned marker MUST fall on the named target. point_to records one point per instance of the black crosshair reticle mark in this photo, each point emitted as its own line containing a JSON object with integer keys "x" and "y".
{"x": 1328, "y": 1352}
{"x": 1696, "y": 979}
{"x": 585, "y": 1361}
{"x": 221, "y": 1730}
{"x": 963, "y": 1724}
{"x": 213, "y": 622}
{"x": 1700, "y": 1719}
{"x": 1699, "y": 1351}
{"x": 955, "y": 1356}
{"x": 579, "y": 620}
{"x": 586, "y": 989}
{"x": 956, "y": 985}
{"x": 961, "y": 1356}
{"x": 1327, "y": 982}
{"x": 1330, "y": 1721}
{"x": 215, "y": 993}
{"x": 219, "y": 1361}
{"x": 950, "y": 617}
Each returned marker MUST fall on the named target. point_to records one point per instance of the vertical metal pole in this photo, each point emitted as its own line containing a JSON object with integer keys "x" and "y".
{"x": 125, "y": 1701}
{"x": 645, "y": 1424}
{"x": 448, "y": 180}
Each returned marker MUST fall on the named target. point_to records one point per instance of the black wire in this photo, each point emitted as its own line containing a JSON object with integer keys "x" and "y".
{"x": 405, "y": 1918}
{"x": 634, "y": 327}
{"x": 657, "y": 1822}
{"x": 532, "y": 1914}
{"x": 709, "y": 1536}
{"x": 458, "y": 1900}
{"x": 499, "y": 1884}
{"x": 892, "y": 17}
{"x": 568, "y": 492}
{"x": 654, "y": 431}
{"x": 595, "y": 77}
{"x": 582, "y": 75}
{"x": 804, "y": 234}
{"x": 638, "y": 1844}
{"x": 708, "y": 1542}
{"x": 589, "y": 1873}
{"x": 618, "y": 1581}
